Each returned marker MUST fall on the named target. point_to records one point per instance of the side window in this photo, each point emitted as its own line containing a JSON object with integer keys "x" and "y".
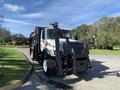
{"x": 43, "y": 34}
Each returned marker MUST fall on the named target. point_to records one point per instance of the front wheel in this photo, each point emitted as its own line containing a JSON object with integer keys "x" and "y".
{"x": 31, "y": 55}
{"x": 45, "y": 66}
{"x": 49, "y": 67}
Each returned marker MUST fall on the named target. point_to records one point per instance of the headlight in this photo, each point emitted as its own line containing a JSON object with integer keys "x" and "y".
{"x": 85, "y": 46}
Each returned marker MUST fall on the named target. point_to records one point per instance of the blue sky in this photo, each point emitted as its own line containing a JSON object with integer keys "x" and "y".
{"x": 21, "y": 16}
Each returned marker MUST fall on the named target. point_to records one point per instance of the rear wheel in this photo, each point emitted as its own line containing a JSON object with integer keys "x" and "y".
{"x": 49, "y": 67}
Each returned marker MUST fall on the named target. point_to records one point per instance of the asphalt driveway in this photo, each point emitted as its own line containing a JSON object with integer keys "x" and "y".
{"x": 102, "y": 77}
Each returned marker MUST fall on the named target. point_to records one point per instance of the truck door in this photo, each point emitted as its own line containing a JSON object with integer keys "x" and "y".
{"x": 42, "y": 44}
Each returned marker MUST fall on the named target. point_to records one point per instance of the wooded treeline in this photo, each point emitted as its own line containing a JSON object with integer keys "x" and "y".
{"x": 103, "y": 34}
{"x": 12, "y": 39}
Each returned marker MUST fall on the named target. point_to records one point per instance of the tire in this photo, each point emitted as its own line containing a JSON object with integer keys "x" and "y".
{"x": 31, "y": 55}
{"x": 48, "y": 71}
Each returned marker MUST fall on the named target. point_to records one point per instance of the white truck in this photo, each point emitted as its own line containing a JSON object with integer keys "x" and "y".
{"x": 58, "y": 52}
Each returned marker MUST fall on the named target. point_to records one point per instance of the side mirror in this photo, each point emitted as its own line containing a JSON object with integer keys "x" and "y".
{"x": 76, "y": 37}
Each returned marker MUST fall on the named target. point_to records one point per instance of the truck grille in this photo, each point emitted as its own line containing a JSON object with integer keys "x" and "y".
{"x": 77, "y": 47}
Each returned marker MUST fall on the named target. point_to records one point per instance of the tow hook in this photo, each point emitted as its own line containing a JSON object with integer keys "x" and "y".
{"x": 90, "y": 67}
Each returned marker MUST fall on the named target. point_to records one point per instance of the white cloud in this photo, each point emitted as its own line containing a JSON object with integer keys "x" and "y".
{"x": 13, "y": 8}
{"x": 17, "y": 21}
{"x": 33, "y": 15}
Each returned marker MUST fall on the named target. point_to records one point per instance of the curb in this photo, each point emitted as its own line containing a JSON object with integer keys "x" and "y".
{"x": 26, "y": 77}
{"x": 19, "y": 83}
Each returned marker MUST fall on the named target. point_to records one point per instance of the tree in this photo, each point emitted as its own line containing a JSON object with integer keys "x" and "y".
{"x": 4, "y": 36}
{"x": 106, "y": 32}
{"x": 82, "y": 32}
{"x": 19, "y": 39}
{"x": 21, "y": 36}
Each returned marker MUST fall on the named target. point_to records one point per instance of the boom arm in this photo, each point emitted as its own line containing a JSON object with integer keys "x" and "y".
{"x": 58, "y": 58}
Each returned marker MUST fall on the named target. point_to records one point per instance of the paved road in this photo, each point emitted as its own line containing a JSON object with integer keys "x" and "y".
{"x": 102, "y": 77}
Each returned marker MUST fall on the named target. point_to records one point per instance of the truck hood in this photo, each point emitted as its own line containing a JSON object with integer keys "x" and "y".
{"x": 51, "y": 42}
{"x": 78, "y": 48}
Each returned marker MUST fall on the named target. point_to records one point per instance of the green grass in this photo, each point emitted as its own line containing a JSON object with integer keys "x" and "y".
{"x": 16, "y": 46}
{"x": 115, "y": 52}
{"x": 14, "y": 66}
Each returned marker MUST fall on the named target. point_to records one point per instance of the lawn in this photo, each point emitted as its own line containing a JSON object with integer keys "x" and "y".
{"x": 115, "y": 52}
{"x": 14, "y": 66}
{"x": 16, "y": 46}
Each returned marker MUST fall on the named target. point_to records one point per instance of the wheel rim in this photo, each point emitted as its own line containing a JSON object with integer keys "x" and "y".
{"x": 45, "y": 65}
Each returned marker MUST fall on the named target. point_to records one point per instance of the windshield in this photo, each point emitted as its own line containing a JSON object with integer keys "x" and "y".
{"x": 62, "y": 34}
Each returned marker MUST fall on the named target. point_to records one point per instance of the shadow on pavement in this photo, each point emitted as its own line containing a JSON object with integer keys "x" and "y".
{"x": 35, "y": 84}
{"x": 99, "y": 71}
